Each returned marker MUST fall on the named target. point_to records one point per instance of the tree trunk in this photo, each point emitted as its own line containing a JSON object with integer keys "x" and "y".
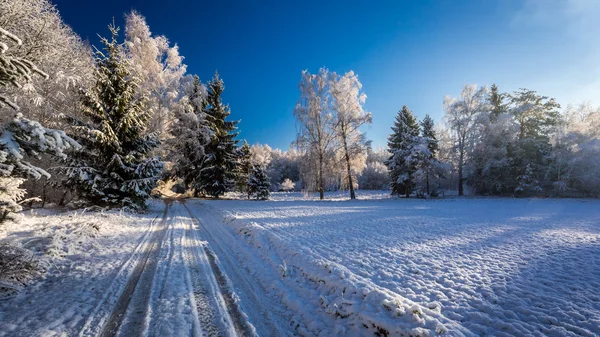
{"x": 460, "y": 174}
{"x": 320, "y": 187}
{"x": 427, "y": 182}
{"x": 347, "y": 155}
{"x": 247, "y": 184}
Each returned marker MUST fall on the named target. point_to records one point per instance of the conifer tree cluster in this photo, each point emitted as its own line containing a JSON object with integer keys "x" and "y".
{"x": 113, "y": 168}
{"x": 413, "y": 163}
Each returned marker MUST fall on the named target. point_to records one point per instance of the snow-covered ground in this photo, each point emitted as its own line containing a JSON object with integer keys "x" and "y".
{"x": 299, "y": 266}
{"x": 84, "y": 253}
{"x": 484, "y": 267}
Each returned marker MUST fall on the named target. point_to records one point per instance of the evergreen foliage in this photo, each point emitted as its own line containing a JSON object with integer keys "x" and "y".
{"x": 400, "y": 145}
{"x": 114, "y": 168}
{"x": 217, "y": 174}
{"x": 258, "y": 182}
{"x": 244, "y": 167}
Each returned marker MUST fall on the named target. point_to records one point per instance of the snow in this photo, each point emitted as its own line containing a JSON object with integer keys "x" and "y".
{"x": 295, "y": 265}
{"x": 497, "y": 267}
{"x": 84, "y": 265}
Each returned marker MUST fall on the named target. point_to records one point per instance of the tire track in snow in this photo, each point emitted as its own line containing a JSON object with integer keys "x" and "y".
{"x": 97, "y": 318}
{"x": 222, "y": 255}
{"x": 233, "y": 320}
{"x": 138, "y": 288}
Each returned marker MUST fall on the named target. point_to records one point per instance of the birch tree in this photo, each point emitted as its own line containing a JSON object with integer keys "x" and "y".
{"x": 348, "y": 101}
{"x": 461, "y": 117}
{"x": 159, "y": 69}
{"x": 315, "y": 122}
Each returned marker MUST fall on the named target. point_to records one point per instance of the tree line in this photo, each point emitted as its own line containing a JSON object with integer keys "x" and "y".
{"x": 103, "y": 126}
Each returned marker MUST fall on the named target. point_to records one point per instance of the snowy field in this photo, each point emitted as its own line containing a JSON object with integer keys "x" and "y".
{"x": 483, "y": 267}
{"x": 292, "y": 266}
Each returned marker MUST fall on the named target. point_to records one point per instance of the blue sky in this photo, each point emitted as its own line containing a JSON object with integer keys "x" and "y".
{"x": 405, "y": 52}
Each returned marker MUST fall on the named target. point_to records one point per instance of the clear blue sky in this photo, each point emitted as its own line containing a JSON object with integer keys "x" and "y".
{"x": 405, "y": 52}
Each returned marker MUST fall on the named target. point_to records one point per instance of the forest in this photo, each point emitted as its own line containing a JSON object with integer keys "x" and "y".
{"x": 105, "y": 125}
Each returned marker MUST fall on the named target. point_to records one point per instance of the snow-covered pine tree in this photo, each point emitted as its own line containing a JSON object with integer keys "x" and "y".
{"x": 526, "y": 183}
{"x": 244, "y": 167}
{"x": 400, "y": 143}
{"x": 113, "y": 169}
{"x": 190, "y": 134}
{"x": 218, "y": 170}
{"x": 21, "y": 137}
{"x": 258, "y": 182}
{"x": 430, "y": 164}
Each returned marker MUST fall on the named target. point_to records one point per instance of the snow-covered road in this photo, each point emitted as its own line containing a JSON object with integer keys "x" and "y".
{"x": 163, "y": 280}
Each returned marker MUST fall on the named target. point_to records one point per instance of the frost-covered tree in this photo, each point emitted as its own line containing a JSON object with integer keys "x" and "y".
{"x": 60, "y": 53}
{"x": 217, "y": 174}
{"x": 316, "y": 125}
{"x": 491, "y": 157}
{"x": 244, "y": 168}
{"x": 287, "y": 185}
{"x": 347, "y": 104}
{"x": 258, "y": 182}
{"x": 401, "y": 144}
{"x": 113, "y": 168}
{"x": 21, "y": 138}
{"x": 375, "y": 176}
{"x": 190, "y": 133}
{"x": 428, "y": 166}
{"x": 159, "y": 69}
{"x": 461, "y": 118}
{"x": 282, "y": 165}
{"x": 56, "y": 50}
{"x": 537, "y": 118}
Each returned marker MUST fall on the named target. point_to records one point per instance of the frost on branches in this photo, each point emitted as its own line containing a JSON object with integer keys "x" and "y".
{"x": 21, "y": 137}
{"x": 190, "y": 133}
{"x": 258, "y": 182}
{"x": 114, "y": 168}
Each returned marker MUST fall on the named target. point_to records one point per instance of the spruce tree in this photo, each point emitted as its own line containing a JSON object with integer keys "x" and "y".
{"x": 243, "y": 168}
{"x": 496, "y": 100}
{"x": 400, "y": 144}
{"x": 429, "y": 136}
{"x": 190, "y": 134}
{"x": 113, "y": 168}
{"x": 258, "y": 182}
{"x": 218, "y": 169}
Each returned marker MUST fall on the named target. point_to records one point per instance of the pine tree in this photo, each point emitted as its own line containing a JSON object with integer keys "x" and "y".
{"x": 496, "y": 101}
{"x": 429, "y": 136}
{"x": 405, "y": 132}
{"x": 20, "y": 137}
{"x": 244, "y": 167}
{"x": 113, "y": 169}
{"x": 218, "y": 170}
{"x": 537, "y": 118}
{"x": 258, "y": 182}
{"x": 190, "y": 134}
